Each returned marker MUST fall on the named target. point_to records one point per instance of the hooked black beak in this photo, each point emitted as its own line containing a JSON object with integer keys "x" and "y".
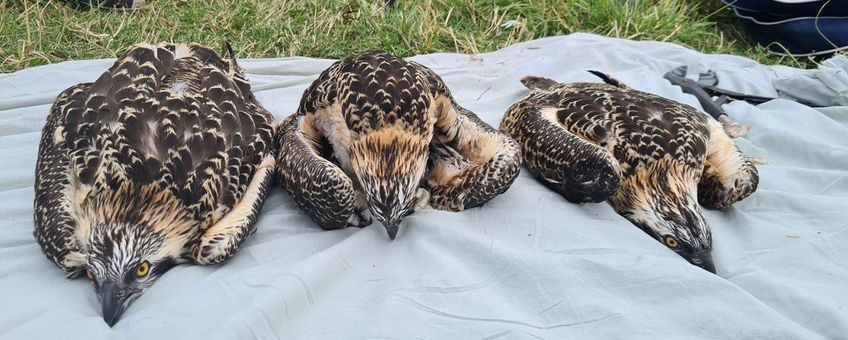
{"x": 703, "y": 259}
{"x": 112, "y": 297}
{"x": 392, "y": 229}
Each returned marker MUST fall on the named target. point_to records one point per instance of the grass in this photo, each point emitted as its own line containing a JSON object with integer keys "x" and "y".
{"x": 36, "y": 32}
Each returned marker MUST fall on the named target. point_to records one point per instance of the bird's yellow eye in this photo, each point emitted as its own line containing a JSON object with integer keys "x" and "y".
{"x": 89, "y": 274}
{"x": 143, "y": 269}
{"x": 671, "y": 242}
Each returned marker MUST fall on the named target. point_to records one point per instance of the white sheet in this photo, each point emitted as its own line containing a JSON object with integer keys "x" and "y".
{"x": 526, "y": 265}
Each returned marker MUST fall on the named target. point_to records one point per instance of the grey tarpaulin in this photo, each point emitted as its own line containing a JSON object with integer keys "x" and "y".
{"x": 825, "y": 86}
{"x": 526, "y": 265}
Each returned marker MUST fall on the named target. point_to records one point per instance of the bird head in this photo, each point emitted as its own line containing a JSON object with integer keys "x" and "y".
{"x": 666, "y": 208}
{"x": 389, "y": 165}
{"x": 123, "y": 260}
{"x": 128, "y": 238}
{"x": 679, "y": 227}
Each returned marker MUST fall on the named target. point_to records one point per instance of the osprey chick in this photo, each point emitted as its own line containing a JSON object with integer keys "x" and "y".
{"x": 653, "y": 158}
{"x": 166, "y": 158}
{"x": 377, "y": 132}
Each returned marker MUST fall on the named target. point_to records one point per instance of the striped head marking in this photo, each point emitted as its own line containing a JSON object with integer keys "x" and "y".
{"x": 127, "y": 247}
{"x": 390, "y": 164}
{"x": 665, "y": 207}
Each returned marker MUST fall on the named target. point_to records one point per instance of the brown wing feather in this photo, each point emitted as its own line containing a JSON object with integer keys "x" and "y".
{"x": 366, "y": 126}
{"x": 173, "y": 118}
{"x": 638, "y": 128}
{"x": 374, "y": 90}
{"x": 578, "y": 169}
{"x": 54, "y": 223}
{"x": 470, "y": 162}
{"x": 374, "y": 112}
{"x": 658, "y": 148}
{"x": 318, "y": 187}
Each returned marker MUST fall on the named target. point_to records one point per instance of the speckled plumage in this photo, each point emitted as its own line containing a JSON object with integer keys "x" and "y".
{"x": 165, "y": 158}
{"x": 375, "y": 131}
{"x": 653, "y": 158}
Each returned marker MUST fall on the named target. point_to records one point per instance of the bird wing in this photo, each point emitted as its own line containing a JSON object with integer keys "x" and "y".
{"x": 221, "y": 240}
{"x": 564, "y": 134}
{"x": 638, "y": 128}
{"x": 378, "y": 90}
{"x": 312, "y": 167}
{"x": 470, "y": 162}
{"x": 54, "y": 224}
{"x": 373, "y": 91}
{"x": 583, "y": 109}
{"x": 729, "y": 175}
{"x": 237, "y": 139}
{"x": 175, "y": 118}
{"x": 318, "y": 187}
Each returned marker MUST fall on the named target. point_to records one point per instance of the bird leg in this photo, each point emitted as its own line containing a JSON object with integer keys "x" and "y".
{"x": 360, "y": 219}
{"x": 361, "y": 216}
{"x": 729, "y": 175}
{"x": 422, "y": 199}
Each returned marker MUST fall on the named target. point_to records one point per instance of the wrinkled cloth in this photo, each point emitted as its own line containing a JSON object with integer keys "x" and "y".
{"x": 825, "y": 86}
{"x": 528, "y": 264}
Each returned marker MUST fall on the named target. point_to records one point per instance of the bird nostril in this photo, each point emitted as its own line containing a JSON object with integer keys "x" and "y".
{"x": 704, "y": 260}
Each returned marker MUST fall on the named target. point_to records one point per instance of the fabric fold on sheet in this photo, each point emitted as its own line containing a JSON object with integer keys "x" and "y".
{"x": 528, "y": 264}
{"x": 825, "y": 86}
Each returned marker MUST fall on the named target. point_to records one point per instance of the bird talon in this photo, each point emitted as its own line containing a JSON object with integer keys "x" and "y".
{"x": 733, "y": 129}
{"x": 367, "y": 221}
{"x": 359, "y": 220}
{"x": 422, "y": 199}
{"x": 759, "y": 160}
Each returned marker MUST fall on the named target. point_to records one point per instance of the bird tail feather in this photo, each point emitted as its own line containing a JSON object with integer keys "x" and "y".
{"x": 608, "y": 79}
